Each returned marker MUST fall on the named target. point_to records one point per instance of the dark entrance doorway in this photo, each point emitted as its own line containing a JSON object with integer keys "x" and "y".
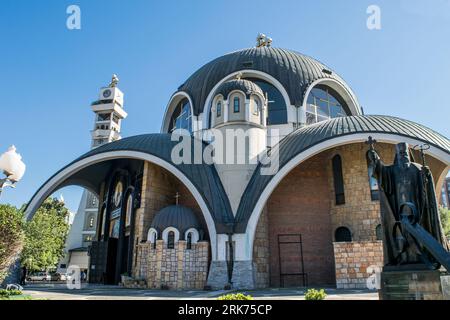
{"x": 290, "y": 257}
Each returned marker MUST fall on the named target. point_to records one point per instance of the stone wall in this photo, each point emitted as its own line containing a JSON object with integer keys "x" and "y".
{"x": 177, "y": 268}
{"x": 353, "y": 260}
{"x": 261, "y": 253}
{"x": 360, "y": 213}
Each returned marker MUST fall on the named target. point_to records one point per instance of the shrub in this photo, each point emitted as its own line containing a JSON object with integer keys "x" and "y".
{"x": 313, "y": 294}
{"x": 7, "y": 293}
{"x": 235, "y": 296}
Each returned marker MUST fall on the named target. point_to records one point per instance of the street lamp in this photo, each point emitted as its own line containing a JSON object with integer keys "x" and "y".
{"x": 12, "y": 167}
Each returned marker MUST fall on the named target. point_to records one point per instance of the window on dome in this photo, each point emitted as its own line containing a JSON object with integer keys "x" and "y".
{"x": 189, "y": 241}
{"x": 256, "y": 107}
{"x": 171, "y": 240}
{"x": 323, "y": 104}
{"x": 276, "y": 108}
{"x": 219, "y": 109}
{"x": 181, "y": 117}
{"x": 236, "y": 105}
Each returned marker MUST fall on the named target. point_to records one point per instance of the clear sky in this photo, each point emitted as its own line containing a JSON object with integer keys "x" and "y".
{"x": 49, "y": 75}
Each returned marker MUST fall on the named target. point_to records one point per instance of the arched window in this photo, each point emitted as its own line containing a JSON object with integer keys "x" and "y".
{"x": 324, "y": 103}
{"x": 236, "y": 104}
{"x": 181, "y": 116}
{"x": 276, "y": 108}
{"x": 171, "y": 240}
{"x": 338, "y": 180}
{"x": 189, "y": 241}
{"x": 343, "y": 234}
{"x": 154, "y": 240}
{"x": 129, "y": 210}
{"x": 379, "y": 232}
{"x": 256, "y": 107}
{"x": 219, "y": 109}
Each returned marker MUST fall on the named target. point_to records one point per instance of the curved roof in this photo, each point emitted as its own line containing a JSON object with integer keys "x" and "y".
{"x": 203, "y": 176}
{"x": 246, "y": 86}
{"x": 307, "y": 137}
{"x": 176, "y": 216}
{"x": 293, "y": 70}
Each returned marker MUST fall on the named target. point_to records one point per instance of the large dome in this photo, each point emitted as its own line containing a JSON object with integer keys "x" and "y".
{"x": 293, "y": 70}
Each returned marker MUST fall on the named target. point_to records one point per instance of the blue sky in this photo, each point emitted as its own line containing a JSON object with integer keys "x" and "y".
{"x": 49, "y": 74}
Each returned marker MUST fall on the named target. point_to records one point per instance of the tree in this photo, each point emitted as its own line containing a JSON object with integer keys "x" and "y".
{"x": 445, "y": 220}
{"x": 11, "y": 237}
{"x": 45, "y": 236}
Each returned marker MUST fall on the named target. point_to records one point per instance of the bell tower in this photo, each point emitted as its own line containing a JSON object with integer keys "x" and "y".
{"x": 109, "y": 114}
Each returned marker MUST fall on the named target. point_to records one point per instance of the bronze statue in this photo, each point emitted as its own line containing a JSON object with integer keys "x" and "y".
{"x": 410, "y": 218}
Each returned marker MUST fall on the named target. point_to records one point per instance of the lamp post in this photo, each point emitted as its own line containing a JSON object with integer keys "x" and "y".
{"x": 13, "y": 168}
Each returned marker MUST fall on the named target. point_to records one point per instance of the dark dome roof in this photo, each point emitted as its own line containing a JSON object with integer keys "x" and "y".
{"x": 293, "y": 70}
{"x": 176, "y": 216}
{"x": 246, "y": 86}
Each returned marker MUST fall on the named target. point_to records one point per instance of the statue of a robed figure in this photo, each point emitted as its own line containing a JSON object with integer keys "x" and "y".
{"x": 413, "y": 235}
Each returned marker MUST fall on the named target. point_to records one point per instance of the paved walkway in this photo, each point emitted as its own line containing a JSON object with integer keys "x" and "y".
{"x": 98, "y": 292}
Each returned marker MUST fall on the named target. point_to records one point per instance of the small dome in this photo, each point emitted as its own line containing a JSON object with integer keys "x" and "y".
{"x": 179, "y": 217}
{"x": 246, "y": 86}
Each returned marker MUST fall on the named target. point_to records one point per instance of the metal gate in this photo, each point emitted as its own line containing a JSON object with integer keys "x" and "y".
{"x": 292, "y": 267}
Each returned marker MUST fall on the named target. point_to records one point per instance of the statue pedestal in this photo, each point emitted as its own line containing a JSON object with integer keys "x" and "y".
{"x": 400, "y": 284}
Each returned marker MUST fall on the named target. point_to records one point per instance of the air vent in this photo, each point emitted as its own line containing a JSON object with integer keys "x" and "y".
{"x": 327, "y": 71}
{"x": 247, "y": 64}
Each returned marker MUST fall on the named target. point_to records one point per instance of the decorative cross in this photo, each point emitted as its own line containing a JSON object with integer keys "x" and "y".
{"x": 371, "y": 142}
{"x": 177, "y": 195}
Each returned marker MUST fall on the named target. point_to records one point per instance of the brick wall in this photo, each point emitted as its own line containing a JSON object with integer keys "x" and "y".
{"x": 176, "y": 268}
{"x": 352, "y": 261}
{"x": 300, "y": 204}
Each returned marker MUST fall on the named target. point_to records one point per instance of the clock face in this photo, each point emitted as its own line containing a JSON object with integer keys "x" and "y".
{"x": 118, "y": 194}
{"x": 106, "y": 93}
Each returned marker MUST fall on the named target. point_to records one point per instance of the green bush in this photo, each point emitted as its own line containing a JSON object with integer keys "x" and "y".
{"x": 7, "y": 293}
{"x": 313, "y": 294}
{"x": 235, "y": 296}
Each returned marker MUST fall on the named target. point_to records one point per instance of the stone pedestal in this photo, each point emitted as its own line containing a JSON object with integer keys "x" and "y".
{"x": 414, "y": 285}
{"x": 243, "y": 275}
{"x": 218, "y": 275}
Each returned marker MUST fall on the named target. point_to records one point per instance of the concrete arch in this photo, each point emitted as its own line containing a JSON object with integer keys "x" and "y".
{"x": 314, "y": 150}
{"x": 58, "y": 179}
{"x": 170, "y": 108}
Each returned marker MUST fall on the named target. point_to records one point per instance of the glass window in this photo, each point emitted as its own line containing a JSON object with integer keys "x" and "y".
{"x": 181, "y": 117}
{"x": 171, "y": 240}
{"x": 219, "y": 109}
{"x": 276, "y": 107}
{"x": 343, "y": 234}
{"x": 154, "y": 240}
{"x": 338, "y": 180}
{"x": 256, "y": 107}
{"x": 189, "y": 241}
{"x": 236, "y": 104}
{"x": 323, "y": 104}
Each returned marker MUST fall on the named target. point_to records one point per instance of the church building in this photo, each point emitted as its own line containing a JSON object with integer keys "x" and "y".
{"x": 310, "y": 217}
